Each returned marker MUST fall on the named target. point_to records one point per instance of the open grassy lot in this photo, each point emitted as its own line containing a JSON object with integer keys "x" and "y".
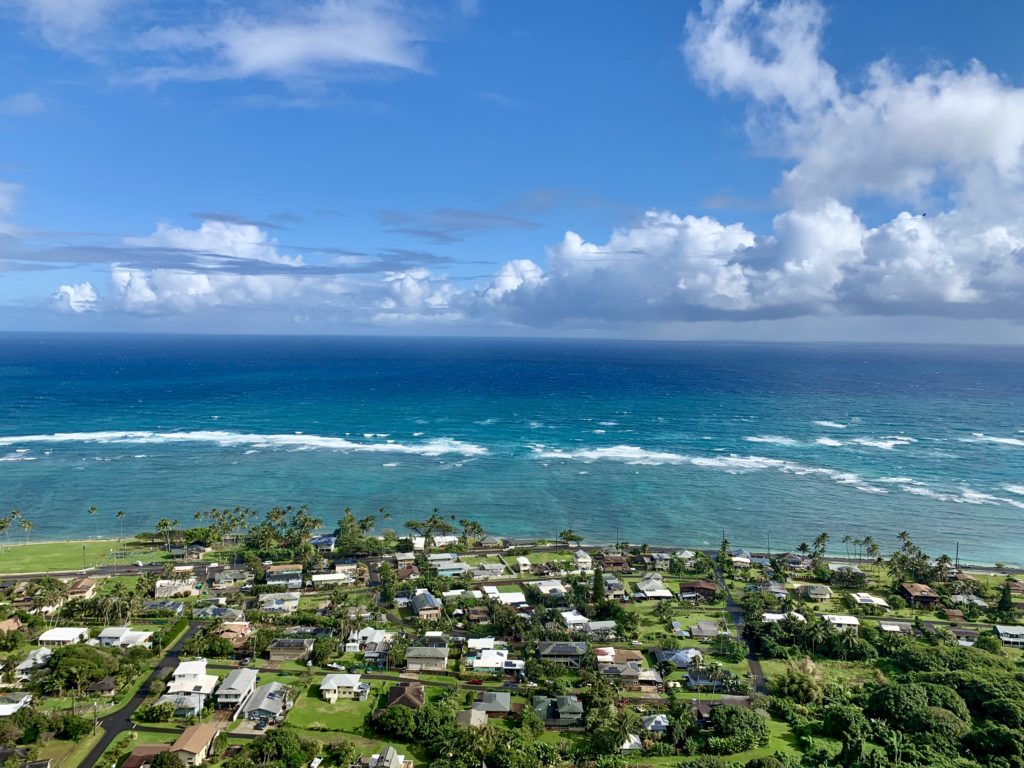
{"x": 68, "y": 754}
{"x": 347, "y": 716}
{"x": 67, "y": 556}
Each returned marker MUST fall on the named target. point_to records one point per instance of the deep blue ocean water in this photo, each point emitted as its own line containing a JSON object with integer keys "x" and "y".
{"x": 658, "y": 442}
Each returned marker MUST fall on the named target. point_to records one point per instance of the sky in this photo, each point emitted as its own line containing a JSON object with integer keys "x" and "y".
{"x": 727, "y": 169}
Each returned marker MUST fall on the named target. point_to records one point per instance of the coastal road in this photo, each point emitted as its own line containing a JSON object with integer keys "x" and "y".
{"x": 736, "y": 614}
{"x": 121, "y": 720}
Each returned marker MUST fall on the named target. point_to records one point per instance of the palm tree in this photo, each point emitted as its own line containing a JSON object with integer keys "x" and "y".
{"x": 847, "y": 538}
{"x": 120, "y": 519}
{"x": 5, "y": 524}
{"x": 95, "y": 521}
{"x": 26, "y": 526}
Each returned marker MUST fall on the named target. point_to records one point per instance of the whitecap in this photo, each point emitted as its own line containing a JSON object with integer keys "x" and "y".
{"x": 435, "y": 447}
{"x": 1017, "y": 489}
{"x": 17, "y": 457}
{"x": 830, "y": 424}
{"x": 886, "y": 443}
{"x": 980, "y": 437}
{"x": 612, "y": 423}
{"x": 417, "y": 434}
{"x": 829, "y": 442}
{"x": 390, "y": 464}
{"x": 772, "y": 439}
{"x": 599, "y": 431}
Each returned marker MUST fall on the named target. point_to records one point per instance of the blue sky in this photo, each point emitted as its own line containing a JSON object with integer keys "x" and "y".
{"x": 669, "y": 170}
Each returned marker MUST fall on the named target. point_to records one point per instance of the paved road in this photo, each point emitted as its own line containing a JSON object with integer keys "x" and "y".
{"x": 121, "y": 720}
{"x": 736, "y": 614}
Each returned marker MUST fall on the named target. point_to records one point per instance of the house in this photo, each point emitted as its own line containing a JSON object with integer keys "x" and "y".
{"x": 426, "y": 655}
{"x": 896, "y": 627}
{"x": 12, "y": 702}
{"x": 683, "y": 658}
{"x": 559, "y": 712}
{"x": 601, "y": 630}
{"x": 652, "y": 587}
{"x": 373, "y": 643}
{"x": 329, "y": 580}
{"x": 817, "y": 593}
{"x": 177, "y": 587}
{"x": 955, "y": 616}
{"x": 492, "y": 542}
{"x": 172, "y": 607}
{"x": 279, "y": 602}
{"x": 407, "y": 572}
{"x": 485, "y": 571}
{"x": 439, "y": 558}
{"x": 523, "y": 564}
{"x": 386, "y": 758}
{"x": 616, "y": 563}
{"x": 705, "y": 630}
{"x": 290, "y": 649}
{"x": 773, "y": 588}
{"x": 185, "y": 704}
{"x": 582, "y": 561}
{"x": 614, "y": 589}
{"x": 235, "y": 632}
{"x": 774, "y": 618}
{"x": 268, "y": 702}
{"x": 287, "y": 575}
{"x": 471, "y": 718}
{"x": 569, "y": 655}
{"x": 710, "y": 678}
{"x": 493, "y": 703}
{"x": 863, "y": 598}
{"x": 686, "y": 557}
{"x": 124, "y": 637}
{"x": 406, "y": 694}
{"x": 426, "y": 606}
{"x": 702, "y": 709}
{"x": 452, "y": 570}
{"x": 324, "y": 544}
{"x": 631, "y": 744}
{"x": 334, "y": 687}
{"x": 231, "y": 577}
{"x": 36, "y": 659}
{"x": 60, "y": 636}
{"x": 1010, "y": 635}
{"x": 195, "y": 743}
{"x": 655, "y": 723}
{"x": 919, "y": 595}
{"x": 237, "y": 687}
{"x": 142, "y": 755}
{"x": 551, "y": 588}
{"x": 82, "y": 589}
{"x": 842, "y": 622}
{"x": 698, "y": 591}
{"x": 104, "y": 687}
{"x": 478, "y": 614}
{"x": 968, "y": 600}
{"x": 491, "y": 660}
{"x": 190, "y": 679}
{"x": 574, "y": 620}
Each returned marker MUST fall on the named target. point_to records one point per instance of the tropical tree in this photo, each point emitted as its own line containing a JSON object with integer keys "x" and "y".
{"x": 95, "y": 520}
{"x": 26, "y": 527}
{"x": 569, "y": 536}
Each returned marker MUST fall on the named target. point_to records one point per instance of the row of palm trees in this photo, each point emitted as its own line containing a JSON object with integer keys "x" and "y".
{"x": 8, "y": 522}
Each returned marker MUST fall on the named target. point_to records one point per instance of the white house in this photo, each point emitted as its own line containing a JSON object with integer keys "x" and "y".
{"x": 774, "y": 618}
{"x": 279, "y": 602}
{"x": 552, "y": 588}
{"x": 36, "y": 659}
{"x": 1010, "y": 635}
{"x": 575, "y": 620}
{"x": 124, "y": 637}
{"x": 652, "y": 587}
{"x": 190, "y": 679}
{"x": 490, "y": 660}
{"x": 334, "y": 687}
{"x": 58, "y": 636}
{"x": 841, "y": 622}
{"x": 523, "y": 564}
{"x": 237, "y": 687}
{"x": 863, "y": 598}
{"x": 582, "y": 560}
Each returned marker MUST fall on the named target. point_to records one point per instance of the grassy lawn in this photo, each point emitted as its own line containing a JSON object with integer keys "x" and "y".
{"x": 66, "y": 556}
{"x": 780, "y": 739}
{"x": 347, "y": 716}
{"x": 69, "y": 754}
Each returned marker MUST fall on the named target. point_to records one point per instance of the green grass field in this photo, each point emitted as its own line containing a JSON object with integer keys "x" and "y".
{"x": 67, "y": 556}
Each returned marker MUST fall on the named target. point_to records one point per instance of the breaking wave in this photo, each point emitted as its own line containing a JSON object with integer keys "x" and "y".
{"x": 830, "y": 424}
{"x": 980, "y": 437}
{"x": 772, "y": 439}
{"x": 436, "y": 447}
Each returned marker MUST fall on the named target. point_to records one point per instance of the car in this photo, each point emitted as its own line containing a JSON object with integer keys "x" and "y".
{"x": 247, "y": 661}
{"x": 338, "y": 667}
{"x": 139, "y": 564}
{"x": 474, "y": 682}
{"x": 261, "y": 725}
{"x": 268, "y": 562}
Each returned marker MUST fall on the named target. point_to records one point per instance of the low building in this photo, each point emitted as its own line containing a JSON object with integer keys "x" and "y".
{"x": 334, "y": 687}
{"x": 863, "y": 598}
{"x": 493, "y": 703}
{"x": 279, "y": 602}
{"x": 652, "y": 587}
{"x": 195, "y": 744}
{"x": 142, "y": 755}
{"x": 574, "y": 620}
{"x": 559, "y": 711}
{"x": 106, "y": 686}
{"x": 426, "y": 606}
{"x": 36, "y": 659}
{"x": 290, "y": 649}
{"x": 231, "y": 577}
{"x": 124, "y": 637}
{"x": 324, "y": 544}
{"x": 406, "y": 694}
{"x": 82, "y": 589}
{"x": 552, "y": 588}
{"x": 523, "y": 564}
{"x": 817, "y": 593}
{"x": 184, "y": 704}
{"x": 236, "y": 688}
{"x": 842, "y": 622}
{"x": 919, "y": 595}
{"x": 61, "y": 636}
{"x": 601, "y": 630}
{"x": 177, "y": 587}
{"x": 171, "y": 607}
{"x": 655, "y": 723}
{"x": 569, "y": 655}
{"x": 287, "y": 575}
{"x": 269, "y": 702}
{"x": 582, "y": 561}
{"x": 471, "y": 718}
{"x": 330, "y": 580}
{"x": 1012, "y": 636}
{"x": 684, "y": 658}
{"x": 698, "y": 590}
{"x": 614, "y": 562}
{"x": 614, "y": 589}
{"x": 769, "y": 617}
{"x": 389, "y": 757}
{"x": 190, "y": 679}
{"x": 425, "y": 655}
{"x": 706, "y": 630}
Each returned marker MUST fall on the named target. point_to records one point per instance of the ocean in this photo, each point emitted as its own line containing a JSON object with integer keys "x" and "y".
{"x": 666, "y": 443}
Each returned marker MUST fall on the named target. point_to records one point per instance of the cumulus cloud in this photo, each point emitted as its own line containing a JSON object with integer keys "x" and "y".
{"x": 949, "y": 139}
{"x": 296, "y": 41}
{"x": 65, "y": 24}
{"x": 76, "y": 298}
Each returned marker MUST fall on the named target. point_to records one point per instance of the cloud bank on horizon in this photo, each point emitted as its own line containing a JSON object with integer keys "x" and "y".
{"x": 944, "y": 147}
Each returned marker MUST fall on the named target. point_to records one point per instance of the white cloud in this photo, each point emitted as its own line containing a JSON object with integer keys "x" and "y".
{"x": 299, "y": 41}
{"x": 217, "y": 238}
{"x": 64, "y": 24}
{"x": 22, "y": 104}
{"x": 76, "y": 298}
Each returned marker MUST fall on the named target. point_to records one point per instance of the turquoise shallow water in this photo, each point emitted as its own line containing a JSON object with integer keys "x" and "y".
{"x": 669, "y": 443}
